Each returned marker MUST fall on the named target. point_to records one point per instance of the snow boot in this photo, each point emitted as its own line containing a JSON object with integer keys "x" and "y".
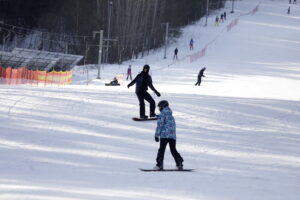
{"x": 153, "y": 115}
{"x": 158, "y": 168}
{"x": 180, "y": 167}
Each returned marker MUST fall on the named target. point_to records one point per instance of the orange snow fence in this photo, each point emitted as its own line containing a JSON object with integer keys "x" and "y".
{"x": 23, "y": 75}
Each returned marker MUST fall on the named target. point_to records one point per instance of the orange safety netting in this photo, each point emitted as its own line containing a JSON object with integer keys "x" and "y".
{"x": 23, "y": 75}
{"x": 2, "y": 72}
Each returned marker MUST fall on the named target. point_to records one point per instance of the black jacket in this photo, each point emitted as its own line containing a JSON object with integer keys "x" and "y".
{"x": 142, "y": 81}
{"x": 201, "y": 73}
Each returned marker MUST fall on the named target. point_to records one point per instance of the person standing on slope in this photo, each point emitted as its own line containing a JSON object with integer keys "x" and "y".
{"x": 222, "y": 18}
{"x": 143, "y": 80}
{"x": 175, "y": 54}
{"x": 129, "y": 73}
{"x": 200, "y": 75}
{"x": 191, "y": 44}
{"x": 166, "y": 133}
{"x": 217, "y": 21}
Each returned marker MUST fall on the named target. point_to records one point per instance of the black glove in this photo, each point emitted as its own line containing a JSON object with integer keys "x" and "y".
{"x": 157, "y": 93}
{"x": 128, "y": 85}
{"x": 156, "y": 139}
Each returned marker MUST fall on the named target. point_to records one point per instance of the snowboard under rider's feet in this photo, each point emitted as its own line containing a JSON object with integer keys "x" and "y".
{"x": 151, "y": 116}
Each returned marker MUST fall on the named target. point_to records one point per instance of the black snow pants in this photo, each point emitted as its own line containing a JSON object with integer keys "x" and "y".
{"x": 199, "y": 81}
{"x": 161, "y": 152}
{"x": 145, "y": 96}
{"x": 129, "y": 76}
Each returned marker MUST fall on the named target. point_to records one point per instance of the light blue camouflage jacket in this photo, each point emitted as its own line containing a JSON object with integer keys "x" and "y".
{"x": 166, "y": 126}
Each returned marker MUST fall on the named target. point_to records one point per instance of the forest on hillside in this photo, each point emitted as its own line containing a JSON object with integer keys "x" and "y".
{"x": 133, "y": 26}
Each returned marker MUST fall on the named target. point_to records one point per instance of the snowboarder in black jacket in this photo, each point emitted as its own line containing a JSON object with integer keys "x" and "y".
{"x": 142, "y": 81}
{"x": 175, "y": 54}
{"x": 200, "y": 75}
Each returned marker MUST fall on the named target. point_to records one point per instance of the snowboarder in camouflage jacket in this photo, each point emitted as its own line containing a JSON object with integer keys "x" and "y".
{"x": 166, "y": 133}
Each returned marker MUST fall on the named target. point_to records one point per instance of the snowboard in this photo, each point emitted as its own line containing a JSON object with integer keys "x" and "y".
{"x": 167, "y": 170}
{"x": 148, "y": 119}
{"x": 109, "y": 84}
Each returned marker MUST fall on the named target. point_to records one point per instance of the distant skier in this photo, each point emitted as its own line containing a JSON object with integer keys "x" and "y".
{"x": 142, "y": 81}
{"x": 289, "y": 10}
{"x": 217, "y": 21}
{"x": 295, "y": 2}
{"x": 166, "y": 133}
{"x": 175, "y": 54}
{"x": 129, "y": 73}
{"x": 224, "y": 15}
{"x": 200, "y": 75}
{"x": 222, "y": 18}
{"x": 191, "y": 44}
{"x": 290, "y": 1}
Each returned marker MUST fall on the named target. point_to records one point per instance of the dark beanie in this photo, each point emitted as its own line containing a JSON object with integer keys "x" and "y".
{"x": 146, "y": 67}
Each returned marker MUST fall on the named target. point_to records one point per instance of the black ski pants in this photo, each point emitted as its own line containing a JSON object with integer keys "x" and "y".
{"x": 129, "y": 76}
{"x": 161, "y": 152}
{"x": 145, "y": 96}
{"x": 199, "y": 81}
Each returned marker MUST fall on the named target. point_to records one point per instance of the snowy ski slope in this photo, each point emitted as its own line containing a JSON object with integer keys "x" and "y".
{"x": 240, "y": 129}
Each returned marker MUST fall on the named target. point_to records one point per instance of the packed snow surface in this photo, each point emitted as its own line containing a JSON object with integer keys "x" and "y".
{"x": 240, "y": 129}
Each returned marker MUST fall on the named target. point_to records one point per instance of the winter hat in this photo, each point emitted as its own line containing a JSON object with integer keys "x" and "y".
{"x": 162, "y": 104}
{"x": 146, "y": 67}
